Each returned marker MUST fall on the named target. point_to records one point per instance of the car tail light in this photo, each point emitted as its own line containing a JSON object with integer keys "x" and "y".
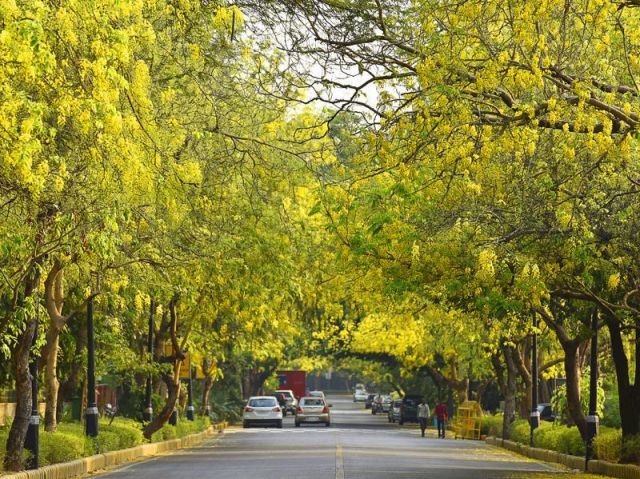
{"x": 248, "y": 409}
{"x": 276, "y": 409}
{"x": 325, "y": 410}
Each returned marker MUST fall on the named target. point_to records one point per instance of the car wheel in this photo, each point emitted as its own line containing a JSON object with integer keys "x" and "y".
{"x": 373, "y": 411}
{"x": 297, "y": 424}
{"x": 400, "y": 421}
{"x": 280, "y": 424}
{"x": 245, "y": 424}
{"x": 328, "y": 424}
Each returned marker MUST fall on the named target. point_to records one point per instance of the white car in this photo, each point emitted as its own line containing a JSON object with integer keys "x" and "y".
{"x": 262, "y": 410}
{"x": 360, "y": 395}
{"x": 313, "y": 409}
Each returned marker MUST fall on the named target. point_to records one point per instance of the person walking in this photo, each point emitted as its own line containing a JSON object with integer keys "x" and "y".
{"x": 442, "y": 416}
{"x": 423, "y": 415}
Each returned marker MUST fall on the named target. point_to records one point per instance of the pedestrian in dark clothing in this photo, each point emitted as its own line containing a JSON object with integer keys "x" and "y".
{"x": 442, "y": 416}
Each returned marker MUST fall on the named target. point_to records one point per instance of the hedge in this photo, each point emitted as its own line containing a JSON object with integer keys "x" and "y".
{"x": 69, "y": 443}
{"x": 608, "y": 445}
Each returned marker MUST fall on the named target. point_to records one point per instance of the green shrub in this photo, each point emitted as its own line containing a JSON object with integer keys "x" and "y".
{"x": 547, "y": 436}
{"x": 611, "y": 411}
{"x": 520, "y": 431}
{"x": 631, "y": 449}
{"x": 492, "y": 425}
{"x": 607, "y": 445}
{"x": 58, "y": 447}
{"x": 165, "y": 433}
{"x": 129, "y": 432}
{"x": 570, "y": 442}
{"x": 4, "y": 433}
{"x": 106, "y": 441}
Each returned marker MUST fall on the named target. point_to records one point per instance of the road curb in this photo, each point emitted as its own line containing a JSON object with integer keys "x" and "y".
{"x": 604, "y": 468}
{"x": 80, "y": 467}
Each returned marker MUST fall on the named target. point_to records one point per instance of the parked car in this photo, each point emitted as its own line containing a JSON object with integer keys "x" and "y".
{"x": 409, "y": 408}
{"x": 262, "y": 410}
{"x": 387, "y": 401}
{"x": 313, "y": 410}
{"x": 292, "y": 402}
{"x": 394, "y": 411}
{"x": 546, "y": 412}
{"x": 360, "y": 394}
{"x": 369, "y": 401}
{"x": 376, "y": 405}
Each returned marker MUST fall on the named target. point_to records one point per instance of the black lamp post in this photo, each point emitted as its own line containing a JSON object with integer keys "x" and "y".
{"x": 148, "y": 411}
{"x": 91, "y": 413}
{"x": 32, "y": 440}
{"x": 190, "y": 408}
{"x": 593, "y": 421}
{"x": 534, "y": 419}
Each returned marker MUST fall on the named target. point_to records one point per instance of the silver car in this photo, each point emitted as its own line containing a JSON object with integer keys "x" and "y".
{"x": 313, "y": 410}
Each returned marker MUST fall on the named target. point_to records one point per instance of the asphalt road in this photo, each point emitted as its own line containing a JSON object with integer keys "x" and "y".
{"x": 358, "y": 445}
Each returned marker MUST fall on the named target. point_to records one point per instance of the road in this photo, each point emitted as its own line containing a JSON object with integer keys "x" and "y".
{"x": 358, "y": 445}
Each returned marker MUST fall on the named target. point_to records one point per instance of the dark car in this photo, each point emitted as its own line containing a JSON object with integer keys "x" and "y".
{"x": 369, "y": 401}
{"x": 409, "y": 408}
{"x": 394, "y": 411}
{"x": 546, "y": 412}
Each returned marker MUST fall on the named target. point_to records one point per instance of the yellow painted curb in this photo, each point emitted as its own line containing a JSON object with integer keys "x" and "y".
{"x": 67, "y": 470}
{"x": 621, "y": 471}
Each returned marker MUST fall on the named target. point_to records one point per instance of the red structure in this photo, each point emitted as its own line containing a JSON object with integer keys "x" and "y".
{"x": 294, "y": 380}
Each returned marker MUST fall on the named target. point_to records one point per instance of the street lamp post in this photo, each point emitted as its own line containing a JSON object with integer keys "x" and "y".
{"x": 190, "y": 408}
{"x": 148, "y": 412}
{"x": 91, "y": 414}
{"x": 32, "y": 440}
{"x": 593, "y": 421}
{"x": 535, "y": 414}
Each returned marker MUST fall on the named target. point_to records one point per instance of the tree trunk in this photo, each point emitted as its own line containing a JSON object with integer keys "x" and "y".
{"x": 51, "y": 380}
{"x": 510, "y": 390}
{"x": 21, "y": 355}
{"x": 208, "y": 386}
{"x": 172, "y": 380}
{"x": 629, "y": 394}
{"x": 572, "y": 370}
{"x": 173, "y": 388}
{"x": 571, "y": 348}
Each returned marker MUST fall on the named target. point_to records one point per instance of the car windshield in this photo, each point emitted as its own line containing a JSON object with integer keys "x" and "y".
{"x": 312, "y": 402}
{"x": 262, "y": 402}
{"x": 411, "y": 402}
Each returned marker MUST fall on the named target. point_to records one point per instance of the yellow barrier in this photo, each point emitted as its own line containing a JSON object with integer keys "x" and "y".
{"x": 468, "y": 421}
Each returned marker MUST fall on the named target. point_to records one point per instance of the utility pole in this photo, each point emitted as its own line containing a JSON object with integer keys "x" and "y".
{"x": 593, "y": 421}
{"x": 148, "y": 412}
{"x": 91, "y": 414}
{"x": 534, "y": 419}
{"x": 32, "y": 440}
